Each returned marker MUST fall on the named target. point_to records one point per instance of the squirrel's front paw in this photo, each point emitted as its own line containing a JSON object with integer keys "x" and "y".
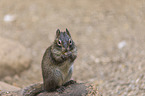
{"x": 64, "y": 57}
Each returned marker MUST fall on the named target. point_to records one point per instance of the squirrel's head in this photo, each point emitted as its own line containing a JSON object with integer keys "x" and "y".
{"x": 63, "y": 41}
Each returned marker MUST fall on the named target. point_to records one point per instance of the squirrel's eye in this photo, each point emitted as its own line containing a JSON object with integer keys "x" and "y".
{"x": 59, "y": 42}
{"x": 70, "y": 42}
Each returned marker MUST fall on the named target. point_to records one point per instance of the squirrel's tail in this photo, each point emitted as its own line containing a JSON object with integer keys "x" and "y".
{"x": 33, "y": 90}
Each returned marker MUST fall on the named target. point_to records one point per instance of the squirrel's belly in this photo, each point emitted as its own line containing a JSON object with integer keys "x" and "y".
{"x": 66, "y": 70}
{"x": 67, "y": 76}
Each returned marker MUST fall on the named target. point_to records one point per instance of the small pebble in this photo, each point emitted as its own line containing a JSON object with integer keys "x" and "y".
{"x": 9, "y": 18}
{"x": 121, "y": 44}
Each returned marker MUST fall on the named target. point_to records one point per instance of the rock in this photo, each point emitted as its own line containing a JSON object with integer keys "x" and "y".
{"x": 7, "y": 87}
{"x": 14, "y": 57}
{"x": 7, "y": 79}
{"x": 77, "y": 89}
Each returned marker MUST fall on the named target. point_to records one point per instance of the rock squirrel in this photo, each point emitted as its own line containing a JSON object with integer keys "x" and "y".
{"x": 57, "y": 65}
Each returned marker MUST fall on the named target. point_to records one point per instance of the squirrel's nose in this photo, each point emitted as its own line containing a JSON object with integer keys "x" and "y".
{"x": 64, "y": 49}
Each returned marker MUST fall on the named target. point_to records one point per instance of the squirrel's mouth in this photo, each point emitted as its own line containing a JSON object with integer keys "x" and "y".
{"x": 67, "y": 53}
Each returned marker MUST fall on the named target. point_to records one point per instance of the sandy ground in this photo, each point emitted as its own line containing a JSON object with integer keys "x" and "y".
{"x": 109, "y": 35}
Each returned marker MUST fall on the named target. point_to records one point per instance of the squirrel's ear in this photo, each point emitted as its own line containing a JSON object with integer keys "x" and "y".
{"x": 68, "y": 32}
{"x": 57, "y": 33}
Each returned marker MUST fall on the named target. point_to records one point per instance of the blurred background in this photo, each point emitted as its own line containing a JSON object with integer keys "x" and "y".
{"x": 109, "y": 35}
